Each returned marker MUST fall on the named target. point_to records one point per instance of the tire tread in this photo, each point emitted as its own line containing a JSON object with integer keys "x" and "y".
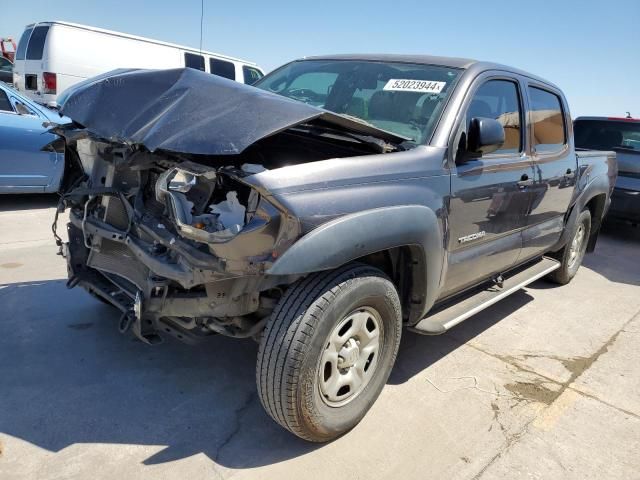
{"x": 305, "y": 300}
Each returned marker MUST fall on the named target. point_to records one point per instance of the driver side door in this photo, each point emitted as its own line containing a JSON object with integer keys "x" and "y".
{"x": 489, "y": 194}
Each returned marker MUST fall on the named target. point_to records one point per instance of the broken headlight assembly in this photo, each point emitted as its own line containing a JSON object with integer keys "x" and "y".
{"x": 187, "y": 196}
{"x": 215, "y": 207}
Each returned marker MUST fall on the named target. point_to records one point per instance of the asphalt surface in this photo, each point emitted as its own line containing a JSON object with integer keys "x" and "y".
{"x": 545, "y": 384}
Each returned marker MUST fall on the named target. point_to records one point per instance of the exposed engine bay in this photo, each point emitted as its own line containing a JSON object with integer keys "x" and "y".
{"x": 180, "y": 241}
{"x": 175, "y": 242}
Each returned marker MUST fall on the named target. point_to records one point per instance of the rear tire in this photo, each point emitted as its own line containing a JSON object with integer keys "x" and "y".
{"x": 573, "y": 252}
{"x": 328, "y": 349}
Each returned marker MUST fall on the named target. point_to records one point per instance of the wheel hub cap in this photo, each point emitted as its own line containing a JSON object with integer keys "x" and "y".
{"x": 575, "y": 249}
{"x": 350, "y": 356}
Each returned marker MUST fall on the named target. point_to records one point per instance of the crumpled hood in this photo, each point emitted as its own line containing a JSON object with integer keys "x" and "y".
{"x": 189, "y": 111}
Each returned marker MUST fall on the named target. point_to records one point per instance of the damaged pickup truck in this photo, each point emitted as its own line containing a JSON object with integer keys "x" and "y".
{"x": 341, "y": 200}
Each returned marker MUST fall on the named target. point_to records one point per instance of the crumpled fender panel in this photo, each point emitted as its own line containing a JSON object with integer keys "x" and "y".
{"x": 188, "y": 111}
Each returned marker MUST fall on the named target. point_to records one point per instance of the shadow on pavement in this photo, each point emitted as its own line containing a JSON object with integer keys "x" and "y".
{"x": 13, "y": 202}
{"x": 617, "y": 253}
{"x": 616, "y": 256}
{"x": 418, "y": 352}
{"x": 67, "y": 376}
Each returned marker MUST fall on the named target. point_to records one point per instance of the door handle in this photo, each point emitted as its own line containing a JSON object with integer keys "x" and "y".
{"x": 525, "y": 181}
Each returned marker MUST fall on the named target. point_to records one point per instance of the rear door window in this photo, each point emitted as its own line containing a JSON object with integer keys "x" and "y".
{"x": 222, "y": 68}
{"x": 251, "y": 75}
{"x": 21, "y": 107}
{"x": 191, "y": 60}
{"x": 22, "y": 44}
{"x": 500, "y": 100}
{"x": 36, "y": 43}
{"x": 547, "y": 119}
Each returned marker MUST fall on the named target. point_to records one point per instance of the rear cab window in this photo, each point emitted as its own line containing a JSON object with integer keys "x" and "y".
{"x": 500, "y": 100}
{"x": 36, "y": 42}
{"x": 251, "y": 74}
{"x": 222, "y": 68}
{"x": 607, "y": 134}
{"x": 191, "y": 60}
{"x": 547, "y": 121}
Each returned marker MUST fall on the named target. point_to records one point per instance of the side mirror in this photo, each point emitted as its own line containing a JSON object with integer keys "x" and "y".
{"x": 485, "y": 135}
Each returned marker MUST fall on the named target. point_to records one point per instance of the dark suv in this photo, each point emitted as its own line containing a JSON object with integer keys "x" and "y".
{"x": 621, "y": 135}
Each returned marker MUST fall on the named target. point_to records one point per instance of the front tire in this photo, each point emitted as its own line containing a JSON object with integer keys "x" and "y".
{"x": 328, "y": 349}
{"x": 573, "y": 252}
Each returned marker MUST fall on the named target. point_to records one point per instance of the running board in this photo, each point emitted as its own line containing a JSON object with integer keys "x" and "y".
{"x": 443, "y": 319}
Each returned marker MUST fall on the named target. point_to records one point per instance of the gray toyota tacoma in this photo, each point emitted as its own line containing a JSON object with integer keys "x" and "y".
{"x": 322, "y": 210}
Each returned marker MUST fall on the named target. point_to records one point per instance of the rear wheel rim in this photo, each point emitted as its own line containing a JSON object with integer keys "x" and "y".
{"x": 350, "y": 356}
{"x": 576, "y": 247}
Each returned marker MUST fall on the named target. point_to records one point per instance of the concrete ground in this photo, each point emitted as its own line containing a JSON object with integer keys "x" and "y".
{"x": 543, "y": 385}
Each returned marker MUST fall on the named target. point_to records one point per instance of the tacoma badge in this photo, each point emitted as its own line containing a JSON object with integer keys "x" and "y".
{"x": 473, "y": 236}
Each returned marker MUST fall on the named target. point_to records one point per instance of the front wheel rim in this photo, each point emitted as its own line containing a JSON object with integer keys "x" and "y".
{"x": 350, "y": 356}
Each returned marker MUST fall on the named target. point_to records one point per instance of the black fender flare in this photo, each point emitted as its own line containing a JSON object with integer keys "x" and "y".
{"x": 355, "y": 235}
{"x": 596, "y": 187}
{"x": 599, "y": 186}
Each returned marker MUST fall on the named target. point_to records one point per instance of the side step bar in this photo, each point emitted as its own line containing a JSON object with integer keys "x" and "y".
{"x": 442, "y": 319}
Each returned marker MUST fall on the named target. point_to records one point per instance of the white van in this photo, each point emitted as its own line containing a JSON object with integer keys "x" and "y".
{"x": 52, "y": 56}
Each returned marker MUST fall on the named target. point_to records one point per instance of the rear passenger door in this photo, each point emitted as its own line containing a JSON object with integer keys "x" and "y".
{"x": 554, "y": 169}
{"x": 489, "y": 201}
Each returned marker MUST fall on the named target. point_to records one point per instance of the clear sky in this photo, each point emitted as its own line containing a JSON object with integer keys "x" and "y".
{"x": 590, "y": 48}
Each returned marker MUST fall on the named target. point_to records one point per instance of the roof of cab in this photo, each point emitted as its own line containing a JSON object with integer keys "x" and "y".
{"x": 452, "y": 62}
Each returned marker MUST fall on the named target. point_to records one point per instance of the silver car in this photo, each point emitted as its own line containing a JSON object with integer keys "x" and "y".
{"x": 31, "y": 157}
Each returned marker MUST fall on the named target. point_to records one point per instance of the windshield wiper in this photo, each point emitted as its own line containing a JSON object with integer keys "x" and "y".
{"x": 369, "y": 124}
{"x": 377, "y": 144}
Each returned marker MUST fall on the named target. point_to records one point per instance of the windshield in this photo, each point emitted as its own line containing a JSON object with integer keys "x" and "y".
{"x": 403, "y": 98}
{"x": 607, "y": 134}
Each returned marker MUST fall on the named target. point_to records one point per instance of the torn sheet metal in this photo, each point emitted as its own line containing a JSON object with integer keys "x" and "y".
{"x": 188, "y": 111}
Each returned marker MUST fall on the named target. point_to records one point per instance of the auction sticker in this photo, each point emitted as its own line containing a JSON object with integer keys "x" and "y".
{"x": 407, "y": 85}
